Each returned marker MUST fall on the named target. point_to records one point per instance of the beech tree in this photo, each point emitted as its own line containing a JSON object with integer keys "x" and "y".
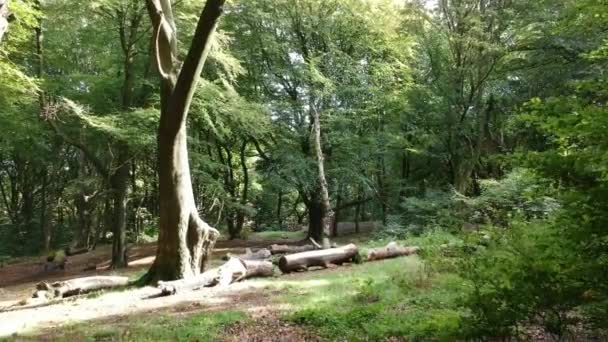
{"x": 185, "y": 240}
{"x": 4, "y": 15}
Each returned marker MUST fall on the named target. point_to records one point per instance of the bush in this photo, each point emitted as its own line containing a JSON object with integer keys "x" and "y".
{"x": 526, "y": 278}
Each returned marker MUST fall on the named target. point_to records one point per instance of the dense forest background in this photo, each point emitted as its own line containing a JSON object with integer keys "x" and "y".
{"x": 482, "y": 119}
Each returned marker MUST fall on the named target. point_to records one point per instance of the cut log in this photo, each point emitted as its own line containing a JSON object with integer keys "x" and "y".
{"x": 232, "y": 271}
{"x": 261, "y": 254}
{"x": 207, "y": 278}
{"x": 236, "y": 270}
{"x": 391, "y": 250}
{"x": 323, "y": 258}
{"x": 287, "y": 249}
{"x": 76, "y": 286}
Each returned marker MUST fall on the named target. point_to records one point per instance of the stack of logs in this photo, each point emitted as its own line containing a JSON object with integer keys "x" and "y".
{"x": 238, "y": 267}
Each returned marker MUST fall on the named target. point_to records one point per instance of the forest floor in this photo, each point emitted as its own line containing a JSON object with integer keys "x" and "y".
{"x": 253, "y": 310}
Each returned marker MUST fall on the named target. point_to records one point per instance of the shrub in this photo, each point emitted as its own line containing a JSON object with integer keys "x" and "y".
{"x": 527, "y": 278}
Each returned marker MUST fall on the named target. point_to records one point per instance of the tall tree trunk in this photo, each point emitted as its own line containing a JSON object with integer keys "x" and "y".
{"x": 279, "y": 207}
{"x": 45, "y": 215}
{"x": 120, "y": 189}
{"x": 240, "y": 216}
{"x": 326, "y": 211}
{"x": 185, "y": 241}
{"x": 334, "y": 224}
{"x": 315, "y": 218}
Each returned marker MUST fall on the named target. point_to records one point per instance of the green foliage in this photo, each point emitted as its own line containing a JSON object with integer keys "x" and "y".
{"x": 526, "y": 278}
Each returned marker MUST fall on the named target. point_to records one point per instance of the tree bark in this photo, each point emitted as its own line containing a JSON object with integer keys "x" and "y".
{"x": 315, "y": 218}
{"x": 240, "y": 216}
{"x": 324, "y": 258}
{"x": 185, "y": 241}
{"x": 120, "y": 186}
{"x": 279, "y": 207}
{"x": 327, "y": 213}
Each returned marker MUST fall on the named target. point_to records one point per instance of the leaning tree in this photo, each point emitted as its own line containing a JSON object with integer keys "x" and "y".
{"x": 185, "y": 240}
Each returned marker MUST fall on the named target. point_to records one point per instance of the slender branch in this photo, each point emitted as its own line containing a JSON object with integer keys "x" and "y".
{"x": 99, "y": 165}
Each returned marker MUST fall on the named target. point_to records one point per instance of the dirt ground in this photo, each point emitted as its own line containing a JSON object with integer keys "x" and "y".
{"x": 17, "y": 282}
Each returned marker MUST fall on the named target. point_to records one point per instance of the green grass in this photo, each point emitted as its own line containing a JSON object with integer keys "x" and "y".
{"x": 277, "y": 235}
{"x": 379, "y": 300}
{"x": 373, "y": 301}
{"x": 202, "y": 326}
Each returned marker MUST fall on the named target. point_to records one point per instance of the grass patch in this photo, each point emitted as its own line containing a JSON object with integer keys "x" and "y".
{"x": 203, "y": 326}
{"x": 376, "y": 300}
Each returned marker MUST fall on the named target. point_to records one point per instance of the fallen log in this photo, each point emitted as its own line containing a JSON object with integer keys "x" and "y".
{"x": 391, "y": 250}
{"x": 207, "y": 278}
{"x": 324, "y": 258}
{"x": 261, "y": 254}
{"x": 236, "y": 270}
{"x": 77, "y": 286}
{"x": 287, "y": 249}
{"x": 232, "y": 271}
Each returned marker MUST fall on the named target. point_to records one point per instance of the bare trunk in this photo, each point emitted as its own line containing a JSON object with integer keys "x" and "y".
{"x": 185, "y": 241}
{"x": 279, "y": 207}
{"x": 45, "y": 216}
{"x": 327, "y": 213}
{"x": 315, "y": 218}
{"x": 120, "y": 187}
{"x": 334, "y": 224}
{"x": 240, "y": 216}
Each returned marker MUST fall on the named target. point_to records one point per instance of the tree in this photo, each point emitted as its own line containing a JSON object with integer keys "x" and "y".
{"x": 185, "y": 240}
{"x": 4, "y": 16}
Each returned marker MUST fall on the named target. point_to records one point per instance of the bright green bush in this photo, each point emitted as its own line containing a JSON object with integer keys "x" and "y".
{"x": 527, "y": 277}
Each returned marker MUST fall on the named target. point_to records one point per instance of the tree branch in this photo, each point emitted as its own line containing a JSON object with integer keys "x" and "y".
{"x": 194, "y": 62}
{"x": 99, "y": 165}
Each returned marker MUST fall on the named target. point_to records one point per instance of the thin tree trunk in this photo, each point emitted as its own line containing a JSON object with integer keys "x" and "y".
{"x": 334, "y": 225}
{"x": 279, "y": 207}
{"x": 120, "y": 187}
{"x": 326, "y": 211}
{"x": 240, "y": 216}
{"x": 358, "y": 211}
